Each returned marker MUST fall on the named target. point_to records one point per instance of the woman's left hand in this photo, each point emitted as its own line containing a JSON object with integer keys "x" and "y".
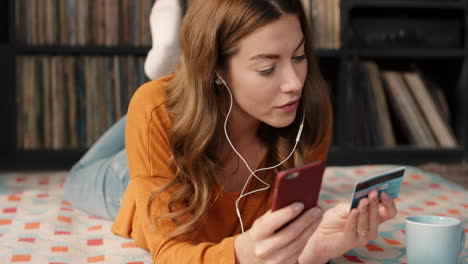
{"x": 341, "y": 230}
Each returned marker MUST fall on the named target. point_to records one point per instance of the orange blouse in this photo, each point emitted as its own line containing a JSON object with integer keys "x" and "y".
{"x": 148, "y": 152}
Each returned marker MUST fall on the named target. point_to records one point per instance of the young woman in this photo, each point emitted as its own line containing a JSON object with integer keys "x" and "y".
{"x": 221, "y": 127}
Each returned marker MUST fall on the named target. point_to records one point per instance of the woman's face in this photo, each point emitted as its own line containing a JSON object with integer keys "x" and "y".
{"x": 267, "y": 74}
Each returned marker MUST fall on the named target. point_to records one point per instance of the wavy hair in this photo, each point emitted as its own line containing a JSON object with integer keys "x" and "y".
{"x": 210, "y": 35}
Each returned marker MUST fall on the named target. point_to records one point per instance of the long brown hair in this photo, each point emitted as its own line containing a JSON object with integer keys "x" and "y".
{"x": 210, "y": 35}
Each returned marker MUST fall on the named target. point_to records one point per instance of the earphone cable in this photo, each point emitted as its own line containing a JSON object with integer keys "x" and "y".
{"x": 252, "y": 173}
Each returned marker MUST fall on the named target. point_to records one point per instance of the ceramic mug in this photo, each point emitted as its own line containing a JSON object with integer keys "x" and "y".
{"x": 432, "y": 239}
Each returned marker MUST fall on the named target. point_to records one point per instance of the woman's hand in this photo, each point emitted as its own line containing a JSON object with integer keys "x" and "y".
{"x": 261, "y": 244}
{"x": 342, "y": 230}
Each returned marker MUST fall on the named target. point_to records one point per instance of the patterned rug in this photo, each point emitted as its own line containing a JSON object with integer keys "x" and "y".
{"x": 38, "y": 226}
{"x": 457, "y": 173}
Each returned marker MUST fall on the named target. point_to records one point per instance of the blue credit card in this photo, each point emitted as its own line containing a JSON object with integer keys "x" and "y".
{"x": 388, "y": 182}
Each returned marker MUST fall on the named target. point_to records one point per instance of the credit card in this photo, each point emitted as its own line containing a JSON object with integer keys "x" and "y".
{"x": 388, "y": 182}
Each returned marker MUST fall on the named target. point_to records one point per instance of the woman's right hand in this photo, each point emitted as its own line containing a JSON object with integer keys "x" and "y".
{"x": 261, "y": 244}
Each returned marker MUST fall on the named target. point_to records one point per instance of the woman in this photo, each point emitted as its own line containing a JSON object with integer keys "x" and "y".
{"x": 246, "y": 82}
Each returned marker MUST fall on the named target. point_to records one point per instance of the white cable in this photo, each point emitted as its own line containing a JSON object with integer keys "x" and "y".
{"x": 242, "y": 195}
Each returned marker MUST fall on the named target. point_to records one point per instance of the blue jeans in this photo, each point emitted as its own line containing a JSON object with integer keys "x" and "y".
{"x": 97, "y": 182}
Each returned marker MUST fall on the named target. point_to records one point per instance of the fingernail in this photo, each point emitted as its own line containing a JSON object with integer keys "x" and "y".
{"x": 316, "y": 211}
{"x": 385, "y": 196}
{"x": 365, "y": 202}
{"x": 298, "y": 207}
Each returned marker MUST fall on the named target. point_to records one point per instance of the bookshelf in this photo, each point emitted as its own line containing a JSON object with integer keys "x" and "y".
{"x": 450, "y": 69}
{"x": 449, "y": 65}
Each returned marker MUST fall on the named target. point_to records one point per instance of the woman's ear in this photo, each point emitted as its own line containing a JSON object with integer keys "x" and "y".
{"x": 220, "y": 76}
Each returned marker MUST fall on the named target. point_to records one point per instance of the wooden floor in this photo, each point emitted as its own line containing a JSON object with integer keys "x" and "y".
{"x": 457, "y": 173}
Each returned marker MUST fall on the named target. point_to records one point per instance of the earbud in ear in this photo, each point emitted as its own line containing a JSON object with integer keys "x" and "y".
{"x": 219, "y": 80}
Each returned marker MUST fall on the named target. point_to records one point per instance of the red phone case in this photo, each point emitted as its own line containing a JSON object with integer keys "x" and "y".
{"x": 298, "y": 185}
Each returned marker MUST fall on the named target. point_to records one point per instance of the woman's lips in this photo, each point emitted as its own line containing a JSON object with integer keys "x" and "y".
{"x": 290, "y": 106}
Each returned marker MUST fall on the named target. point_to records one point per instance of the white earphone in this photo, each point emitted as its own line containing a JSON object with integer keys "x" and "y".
{"x": 242, "y": 195}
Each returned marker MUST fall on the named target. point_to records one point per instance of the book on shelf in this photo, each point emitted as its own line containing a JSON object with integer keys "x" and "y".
{"x": 67, "y": 102}
{"x": 337, "y": 24}
{"x": 306, "y": 4}
{"x": 90, "y": 91}
{"x": 427, "y": 107}
{"x": 58, "y": 110}
{"x": 405, "y": 108}
{"x": 439, "y": 98}
{"x": 83, "y": 22}
{"x": 72, "y": 100}
{"x": 79, "y": 89}
{"x": 389, "y": 108}
{"x": 325, "y": 16}
{"x": 384, "y": 122}
{"x": 46, "y": 98}
{"x": 364, "y": 108}
{"x": 371, "y": 122}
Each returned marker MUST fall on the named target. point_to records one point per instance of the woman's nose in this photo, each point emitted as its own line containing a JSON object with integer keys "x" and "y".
{"x": 291, "y": 81}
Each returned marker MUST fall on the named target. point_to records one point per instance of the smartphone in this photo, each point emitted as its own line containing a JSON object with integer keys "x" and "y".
{"x": 298, "y": 185}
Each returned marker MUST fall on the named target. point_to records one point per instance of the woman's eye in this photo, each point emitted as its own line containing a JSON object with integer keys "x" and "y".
{"x": 267, "y": 71}
{"x": 299, "y": 58}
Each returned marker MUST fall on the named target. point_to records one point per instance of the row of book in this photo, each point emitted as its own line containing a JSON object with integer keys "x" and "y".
{"x": 325, "y": 18}
{"x": 68, "y": 102}
{"x": 83, "y": 22}
{"x": 126, "y": 22}
{"x": 398, "y": 108}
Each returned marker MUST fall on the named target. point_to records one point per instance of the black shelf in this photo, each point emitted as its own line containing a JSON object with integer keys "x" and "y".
{"x": 408, "y": 53}
{"x": 4, "y": 18}
{"x": 4, "y": 47}
{"x": 81, "y": 50}
{"x": 41, "y": 159}
{"x": 442, "y": 4}
{"x": 436, "y": 60}
{"x": 398, "y": 155}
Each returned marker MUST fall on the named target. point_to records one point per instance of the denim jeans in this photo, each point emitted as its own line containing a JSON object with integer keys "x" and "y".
{"x": 97, "y": 182}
